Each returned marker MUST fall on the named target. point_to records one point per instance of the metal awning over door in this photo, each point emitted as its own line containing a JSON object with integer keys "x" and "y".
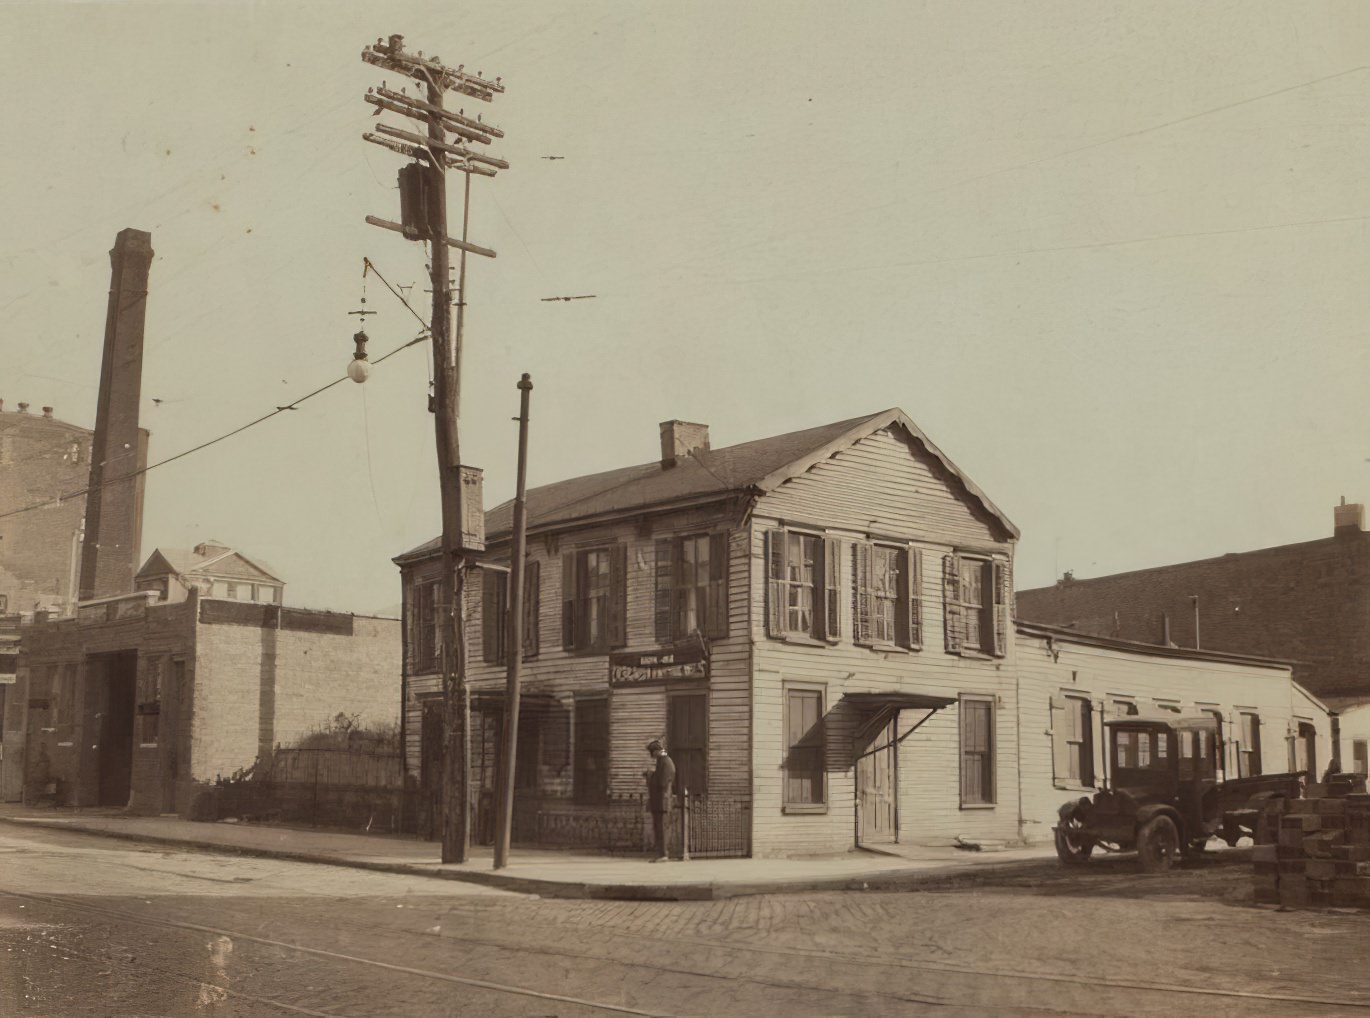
{"x": 879, "y": 708}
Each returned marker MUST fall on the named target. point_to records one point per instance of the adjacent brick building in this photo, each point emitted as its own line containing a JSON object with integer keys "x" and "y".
{"x": 139, "y": 703}
{"x": 1307, "y": 603}
{"x": 44, "y": 463}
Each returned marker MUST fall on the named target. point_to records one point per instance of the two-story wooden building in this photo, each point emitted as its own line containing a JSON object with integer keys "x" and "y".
{"x": 818, "y": 625}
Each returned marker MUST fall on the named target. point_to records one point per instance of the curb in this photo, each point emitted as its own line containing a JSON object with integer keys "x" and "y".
{"x": 899, "y": 880}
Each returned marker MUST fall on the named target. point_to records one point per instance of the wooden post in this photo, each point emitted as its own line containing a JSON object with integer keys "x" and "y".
{"x": 514, "y": 652}
{"x": 685, "y": 824}
{"x": 433, "y": 149}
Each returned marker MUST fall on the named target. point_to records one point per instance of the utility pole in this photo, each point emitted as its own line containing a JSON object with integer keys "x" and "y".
{"x": 505, "y": 821}
{"x": 423, "y": 213}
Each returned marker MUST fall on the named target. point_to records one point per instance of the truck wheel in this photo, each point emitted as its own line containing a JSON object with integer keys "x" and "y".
{"x": 1158, "y": 844}
{"x": 1072, "y": 844}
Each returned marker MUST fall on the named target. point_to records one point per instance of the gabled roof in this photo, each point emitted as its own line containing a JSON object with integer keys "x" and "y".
{"x": 707, "y": 475}
{"x": 183, "y": 562}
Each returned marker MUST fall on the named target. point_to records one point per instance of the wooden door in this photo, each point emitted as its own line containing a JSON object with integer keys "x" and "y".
{"x": 687, "y": 741}
{"x": 877, "y": 789}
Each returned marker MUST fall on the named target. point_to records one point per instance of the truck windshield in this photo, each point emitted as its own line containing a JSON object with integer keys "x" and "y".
{"x": 1139, "y": 749}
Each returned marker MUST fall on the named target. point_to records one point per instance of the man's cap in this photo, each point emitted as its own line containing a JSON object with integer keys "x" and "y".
{"x": 654, "y": 744}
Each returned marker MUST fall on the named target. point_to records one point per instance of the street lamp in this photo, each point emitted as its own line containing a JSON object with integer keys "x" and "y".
{"x": 359, "y": 369}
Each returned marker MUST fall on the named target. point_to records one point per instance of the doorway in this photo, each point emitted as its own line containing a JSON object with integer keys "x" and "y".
{"x": 877, "y": 788}
{"x": 116, "y": 728}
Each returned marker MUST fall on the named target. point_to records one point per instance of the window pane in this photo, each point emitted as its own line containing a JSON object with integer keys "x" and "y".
{"x": 804, "y": 759}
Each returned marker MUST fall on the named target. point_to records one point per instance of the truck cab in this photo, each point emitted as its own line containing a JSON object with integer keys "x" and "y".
{"x": 1166, "y": 794}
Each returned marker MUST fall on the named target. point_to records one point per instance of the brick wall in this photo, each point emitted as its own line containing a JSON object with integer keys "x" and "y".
{"x": 1305, "y": 603}
{"x": 257, "y": 686}
{"x": 41, "y": 458}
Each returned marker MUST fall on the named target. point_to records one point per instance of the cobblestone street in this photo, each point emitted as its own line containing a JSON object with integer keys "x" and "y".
{"x": 205, "y": 934}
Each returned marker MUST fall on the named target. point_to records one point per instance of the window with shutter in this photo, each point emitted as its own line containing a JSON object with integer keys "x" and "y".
{"x": 691, "y": 587}
{"x": 803, "y": 585}
{"x": 594, "y": 604}
{"x": 884, "y": 602}
{"x": 805, "y": 751}
{"x": 977, "y": 751}
{"x": 977, "y": 594}
{"x": 424, "y": 626}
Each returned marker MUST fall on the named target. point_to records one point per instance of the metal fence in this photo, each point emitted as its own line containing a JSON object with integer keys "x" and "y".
{"x": 364, "y": 788}
{"x": 718, "y": 826}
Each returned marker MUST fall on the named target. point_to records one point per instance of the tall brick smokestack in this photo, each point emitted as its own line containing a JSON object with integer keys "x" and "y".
{"x": 114, "y": 505}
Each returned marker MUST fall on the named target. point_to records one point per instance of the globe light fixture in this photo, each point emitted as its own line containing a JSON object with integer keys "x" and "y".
{"x": 359, "y": 370}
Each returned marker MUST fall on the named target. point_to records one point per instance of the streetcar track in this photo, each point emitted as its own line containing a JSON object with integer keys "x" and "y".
{"x": 465, "y": 981}
{"x": 319, "y": 952}
{"x": 847, "y": 957}
{"x": 523, "y": 949}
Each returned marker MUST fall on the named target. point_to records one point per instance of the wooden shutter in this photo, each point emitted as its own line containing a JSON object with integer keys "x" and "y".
{"x": 1001, "y": 598}
{"x": 532, "y": 604}
{"x": 569, "y": 602}
{"x": 1086, "y": 708}
{"x": 1255, "y": 744}
{"x": 618, "y": 595}
{"x": 1059, "y": 714}
{"x": 953, "y": 615}
{"x": 831, "y": 589}
{"x": 665, "y": 581}
{"x": 861, "y": 565}
{"x": 775, "y": 583}
{"x": 913, "y": 596}
{"x": 491, "y": 615}
{"x": 716, "y": 626}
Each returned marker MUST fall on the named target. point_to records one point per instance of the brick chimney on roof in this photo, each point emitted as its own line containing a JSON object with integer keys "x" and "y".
{"x": 679, "y": 439}
{"x": 1348, "y": 519}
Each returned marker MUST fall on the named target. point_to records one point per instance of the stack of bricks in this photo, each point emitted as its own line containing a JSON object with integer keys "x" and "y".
{"x": 1315, "y": 851}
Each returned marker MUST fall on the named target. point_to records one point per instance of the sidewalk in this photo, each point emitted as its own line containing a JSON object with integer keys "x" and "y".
{"x": 548, "y": 873}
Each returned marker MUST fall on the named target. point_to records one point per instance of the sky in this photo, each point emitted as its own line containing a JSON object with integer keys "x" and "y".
{"x": 1109, "y": 256}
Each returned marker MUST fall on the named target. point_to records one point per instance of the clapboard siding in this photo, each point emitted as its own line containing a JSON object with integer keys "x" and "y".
{"x": 929, "y": 763}
{"x": 636, "y": 716}
{"x": 885, "y": 483}
{"x": 1049, "y": 670}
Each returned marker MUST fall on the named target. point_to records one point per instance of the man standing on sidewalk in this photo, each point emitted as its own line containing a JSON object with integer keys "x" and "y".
{"x": 659, "y": 784}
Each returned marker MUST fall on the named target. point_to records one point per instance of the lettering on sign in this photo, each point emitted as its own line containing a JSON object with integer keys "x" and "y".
{"x": 679, "y": 664}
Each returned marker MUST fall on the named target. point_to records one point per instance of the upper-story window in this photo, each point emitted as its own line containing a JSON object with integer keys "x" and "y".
{"x": 691, "y": 587}
{"x": 594, "y": 604}
{"x": 885, "y": 603}
{"x": 495, "y": 613}
{"x": 975, "y": 602}
{"x": 423, "y": 623}
{"x": 802, "y": 585}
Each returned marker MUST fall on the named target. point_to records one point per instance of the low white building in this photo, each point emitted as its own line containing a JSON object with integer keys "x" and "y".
{"x": 1353, "y": 719}
{"x": 1069, "y": 683}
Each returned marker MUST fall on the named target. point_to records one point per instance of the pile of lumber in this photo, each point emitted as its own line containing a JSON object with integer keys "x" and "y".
{"x": 1315, "y": 851}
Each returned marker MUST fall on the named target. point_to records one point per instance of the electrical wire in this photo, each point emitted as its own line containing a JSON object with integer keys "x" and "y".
{"x": 292, "y": 405}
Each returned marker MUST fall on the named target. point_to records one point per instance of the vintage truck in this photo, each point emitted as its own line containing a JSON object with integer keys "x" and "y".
{"x": 1165, "y": 796}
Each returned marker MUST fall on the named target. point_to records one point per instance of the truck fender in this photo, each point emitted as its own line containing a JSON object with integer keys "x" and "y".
{"x": 1146, "y": 813}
